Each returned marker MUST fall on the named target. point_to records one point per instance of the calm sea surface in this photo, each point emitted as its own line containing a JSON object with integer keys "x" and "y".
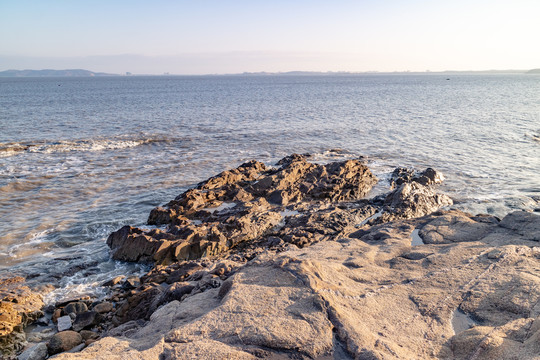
{"x": 80, "y": 157}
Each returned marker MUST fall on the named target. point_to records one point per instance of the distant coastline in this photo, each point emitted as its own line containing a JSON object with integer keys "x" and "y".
{"x": 88, "y": 73}
{"x": 52, "y": 73}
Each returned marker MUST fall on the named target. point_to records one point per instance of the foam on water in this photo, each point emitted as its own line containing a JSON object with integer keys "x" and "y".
{"x": 98, "y": 144}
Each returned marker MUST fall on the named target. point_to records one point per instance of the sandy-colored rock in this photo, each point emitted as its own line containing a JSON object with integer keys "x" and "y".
{"x": 361, "y": 296}
{"x": 18, "y": 306}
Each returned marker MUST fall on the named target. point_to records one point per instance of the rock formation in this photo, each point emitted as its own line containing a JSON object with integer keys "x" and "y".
{"x": 294, "y": 262}
{"x": 18, "y": 307}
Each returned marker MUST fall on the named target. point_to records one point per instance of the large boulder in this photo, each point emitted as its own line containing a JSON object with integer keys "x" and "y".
{"x": 63, "y": 341}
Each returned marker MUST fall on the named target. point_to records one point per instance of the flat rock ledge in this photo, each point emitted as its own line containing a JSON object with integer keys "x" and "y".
{"x": 293, "y": 262}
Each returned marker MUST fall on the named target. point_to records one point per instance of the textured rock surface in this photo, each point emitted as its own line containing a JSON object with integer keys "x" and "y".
{"x": 366, "y": 294}
{"x": 292, "y": 262}
{"x": 238, "y": 206}
{"x": 18, "y": 306}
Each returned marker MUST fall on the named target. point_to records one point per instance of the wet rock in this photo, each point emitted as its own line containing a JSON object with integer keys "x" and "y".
{"x": 86, "y": 320}
{"x": 75, "y": 308}
{"x": 36, "y": 352}
{"x": 64, "y": 323}
{"x": 63, "y": 341}
{"x": 402, "y": 175}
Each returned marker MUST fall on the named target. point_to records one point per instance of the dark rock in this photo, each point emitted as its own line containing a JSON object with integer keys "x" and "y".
{"x": 114, "y": 281}
{"x": 87, "y": 334}
{"x": 237, "y": 206}
{"x": 185, "y": 270}
{"x": 131, "y": 282}
{"x": 75, "y": 307}
{"x": 86, "y": 320}
{"x": 140, "y": 305}
{"x": 175, "y": 292}
{"x": 63, "y": 341}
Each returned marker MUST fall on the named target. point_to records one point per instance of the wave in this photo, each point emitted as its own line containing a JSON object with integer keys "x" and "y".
{"x": 99, "y": 144}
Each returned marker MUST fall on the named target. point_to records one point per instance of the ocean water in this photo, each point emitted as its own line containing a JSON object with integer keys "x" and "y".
{"x": 81, "y": 157}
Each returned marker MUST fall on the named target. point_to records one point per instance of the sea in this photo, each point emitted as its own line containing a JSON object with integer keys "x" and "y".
{"x": 81, "y": 157}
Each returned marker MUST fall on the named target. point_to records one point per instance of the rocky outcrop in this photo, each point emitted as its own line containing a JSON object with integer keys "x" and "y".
{"x": 295, "y": 203}
{"x": 467, "y": 289}
{"x": 18, "y": 307}
{"x": 238, "y": 206}
{"x": 222, "y": 260}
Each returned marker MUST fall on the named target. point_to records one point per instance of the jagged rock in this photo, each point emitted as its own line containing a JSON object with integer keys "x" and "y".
{"x": 140, "y": 305}
{"x": 18, "y": 306}
{"x": 132, "y": 282}
{"x": 402, "y": 175}
{"x": 412, "y": 200}
{"x": 63, "y": 341}
{"x": 237, "y": 206}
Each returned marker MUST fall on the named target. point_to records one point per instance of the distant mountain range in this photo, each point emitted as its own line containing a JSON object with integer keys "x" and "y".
{"x": 534, "y": 71}
{"x": 51, "y": 73}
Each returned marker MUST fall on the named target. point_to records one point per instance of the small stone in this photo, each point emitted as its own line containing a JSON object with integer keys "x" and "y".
{"x": 131, "y": 282}
{"x": 75, "y": 307}
{"x": 36, "y": 352}
{"x": 87, "y": 334}
{"x": 77, "y": 348}
{"x": 64, "y": 323}
{"x": 103, "y": 307}
{"x": 64, "y": 341}
{"x": 114, "y": 281}
{"x": 57, "y": 313}
{"x": 89, "y": 341}
{"x": 85, "y": 320}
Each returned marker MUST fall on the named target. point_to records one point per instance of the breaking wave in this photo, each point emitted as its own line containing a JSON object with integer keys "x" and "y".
{"x": 48, "y": 147}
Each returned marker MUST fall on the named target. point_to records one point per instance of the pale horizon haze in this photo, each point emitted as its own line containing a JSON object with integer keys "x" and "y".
{"x": 209, "y": 37}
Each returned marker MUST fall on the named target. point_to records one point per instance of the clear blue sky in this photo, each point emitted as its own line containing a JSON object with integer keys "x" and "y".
{"x": 210, "y": 36}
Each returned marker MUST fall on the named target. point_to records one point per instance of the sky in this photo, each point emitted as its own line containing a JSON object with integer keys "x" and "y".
{"x": 219, "y": 36}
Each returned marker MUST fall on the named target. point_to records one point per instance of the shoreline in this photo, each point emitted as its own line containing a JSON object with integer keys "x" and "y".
{"x": 217, "y": 240}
